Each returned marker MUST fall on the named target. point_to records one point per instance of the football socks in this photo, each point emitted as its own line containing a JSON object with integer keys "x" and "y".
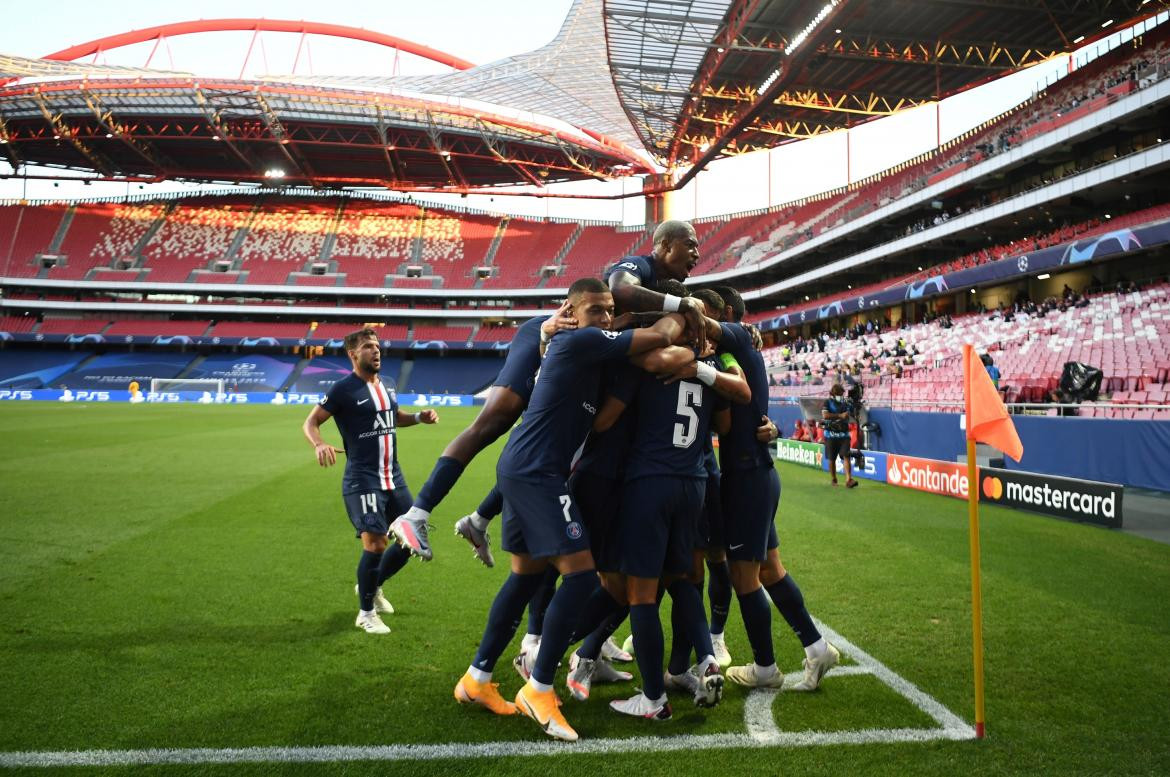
{"x": 504, "y": 618}
{"x": 559, "y": 620}
{"x": 789, "y": 601}
{"x": 447, "y": 470}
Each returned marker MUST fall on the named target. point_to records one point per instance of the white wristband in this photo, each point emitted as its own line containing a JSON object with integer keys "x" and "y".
{"x": 544, "y": 336}
{"x": 705, "y": 373}
{"x": 670, "y": 303}
{"x": 418, "y": 418}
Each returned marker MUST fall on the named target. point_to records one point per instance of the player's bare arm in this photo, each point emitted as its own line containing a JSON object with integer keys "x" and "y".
{"x": 428, "y": 416}
{"x": 326, "y": 453}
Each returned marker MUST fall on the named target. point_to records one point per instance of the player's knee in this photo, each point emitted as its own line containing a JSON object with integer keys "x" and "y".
{"x": 375, "y": 543}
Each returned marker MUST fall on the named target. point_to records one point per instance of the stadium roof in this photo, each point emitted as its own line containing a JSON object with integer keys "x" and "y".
{"x": 700, "y": 77}
{"x": 684, "y": 80}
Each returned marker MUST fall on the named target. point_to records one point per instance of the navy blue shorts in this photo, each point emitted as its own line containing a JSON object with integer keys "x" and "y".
{"x": 373, "y": 511}
{"x": 711, "y": 519}
{"x": 540, "y": 520}
{"x": 750, "y": 499}
{"x": 519, "y": 370}
{"x": 598, "y": 499}
{"x": 658, "y": 525}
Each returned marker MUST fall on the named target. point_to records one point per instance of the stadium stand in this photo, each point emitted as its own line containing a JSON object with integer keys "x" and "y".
{"x": 322, "y": 372}
{"x": 156, "y": 327}
{"x": 28, "y": 231}
{"x": 116, "y": 370}
{"x": 1126, "y": 335}
{"x": 595, "y": 247}
{"x": 294, "y": 330}
{"x": 194, "y": 236}
{"x": 451, "y": 375}
{"x": 452, "y": 334}
{"x": 72, "y": 326}
{"x": 245, "y": 372}
{"x": 494, "y": 334}
{"x": 282, "y": 238}
{"x": 37, "y": 369}
{"x": 525, "y": 248}
{"x": 15, "y": 324}
{"x": 374, "y": 240}
{"x": 338, "y": 331}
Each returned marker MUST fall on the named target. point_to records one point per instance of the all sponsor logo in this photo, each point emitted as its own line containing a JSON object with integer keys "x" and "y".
{"x": 807, "y": 454}
{"x": 936, "y": 477}
{"x": 1080, "y": 500}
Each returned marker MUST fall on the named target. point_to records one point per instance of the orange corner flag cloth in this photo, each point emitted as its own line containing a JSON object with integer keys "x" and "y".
{"x": 987, "y": 418}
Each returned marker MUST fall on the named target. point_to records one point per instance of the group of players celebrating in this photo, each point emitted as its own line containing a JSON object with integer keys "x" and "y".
{"x": 608, "y": 483}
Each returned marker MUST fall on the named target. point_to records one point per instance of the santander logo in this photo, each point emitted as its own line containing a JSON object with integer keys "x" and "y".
{"x": 936, "y": 477}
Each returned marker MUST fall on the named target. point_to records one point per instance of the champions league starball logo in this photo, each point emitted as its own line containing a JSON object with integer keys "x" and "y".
{"x": 1022, "y": 263}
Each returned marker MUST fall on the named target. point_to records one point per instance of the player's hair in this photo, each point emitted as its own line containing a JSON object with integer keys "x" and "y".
{"x": 672, "y": 230}
{"x": 731, "y": 297}
{"x": 711, "y": 299}
{"x": 587, "y": 285}
{"x": 671, "y": 286}
{"x": 837, "y": 390}
{"x": 353, "y": 339}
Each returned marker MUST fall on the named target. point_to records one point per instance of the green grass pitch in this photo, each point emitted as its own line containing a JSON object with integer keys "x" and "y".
{"x": 182, "y": 577}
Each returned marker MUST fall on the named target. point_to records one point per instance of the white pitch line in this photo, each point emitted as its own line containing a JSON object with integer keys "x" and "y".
{"x": 949, "y": 721}
{"x": 762, "y": 731}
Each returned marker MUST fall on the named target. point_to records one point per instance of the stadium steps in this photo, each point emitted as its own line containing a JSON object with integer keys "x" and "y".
{"x": 79, "y": 366}
{"x": 62, "y": 231}
{"x": 559, "y": 259}
{"x": 497, "y": 238}
{"x": 294, "y": 375}
{"x": 150, "y": 232}
{"x": 233, "y": 252}
{"x": 191, "y": 367}
{"x": 404, "y": 375}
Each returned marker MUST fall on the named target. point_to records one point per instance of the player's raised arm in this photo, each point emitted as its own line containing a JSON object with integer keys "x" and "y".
{"x": 326, "y": 453}
{"x": 728, "y": 382}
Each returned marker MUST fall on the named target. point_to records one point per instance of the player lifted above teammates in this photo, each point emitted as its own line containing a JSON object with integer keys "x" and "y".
{"x": 373, "y": 488}
{"x": 542, "y": 524}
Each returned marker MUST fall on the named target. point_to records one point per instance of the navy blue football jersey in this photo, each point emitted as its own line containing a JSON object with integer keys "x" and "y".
{"x": 739, "y": 448}
{"x": 365, "y": 414}
{"x": 519, "y": 370}
{"x": 641, "y": 266}
{"x": 604, "y": 453}
{"x": 672, "y": 428}
{"x": 563, "y": 403}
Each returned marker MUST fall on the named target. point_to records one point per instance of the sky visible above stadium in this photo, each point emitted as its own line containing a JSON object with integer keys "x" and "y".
{"x": 482, "y": 32}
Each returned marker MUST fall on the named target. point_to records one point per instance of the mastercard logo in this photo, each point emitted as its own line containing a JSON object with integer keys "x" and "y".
{"x": 992, "y": 488}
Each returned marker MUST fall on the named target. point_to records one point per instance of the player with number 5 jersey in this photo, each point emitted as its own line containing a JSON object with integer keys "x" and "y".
{"x": 541, "y": 524}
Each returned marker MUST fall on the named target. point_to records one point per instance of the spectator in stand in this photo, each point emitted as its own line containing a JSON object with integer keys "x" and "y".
{"x": 992, "y": 370}
{"x": 799, "y": 431}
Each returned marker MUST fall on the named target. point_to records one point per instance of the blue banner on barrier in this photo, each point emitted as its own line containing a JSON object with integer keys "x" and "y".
{"x": 214, "y": 397}
{"x": 244, "y": 342}
{"x": 1109, "y": 244}
{"x": 873, "y": 466}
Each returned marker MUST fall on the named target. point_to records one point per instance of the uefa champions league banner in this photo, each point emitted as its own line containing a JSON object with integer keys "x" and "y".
{"x": 244, "y": 342}
{"x": 1051, "y": 259}
{"x": 83, "y": 396}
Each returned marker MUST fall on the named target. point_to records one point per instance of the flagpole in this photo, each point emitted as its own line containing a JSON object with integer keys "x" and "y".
{"x": 973, "y": 531}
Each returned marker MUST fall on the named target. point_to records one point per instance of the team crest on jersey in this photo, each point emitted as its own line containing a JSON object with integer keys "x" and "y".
{"x": 573, "y": 530}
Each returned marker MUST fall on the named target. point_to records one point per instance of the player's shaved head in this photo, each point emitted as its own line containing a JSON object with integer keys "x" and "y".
{"x": 672, "y": 230}
{"x": 587, "y": 285}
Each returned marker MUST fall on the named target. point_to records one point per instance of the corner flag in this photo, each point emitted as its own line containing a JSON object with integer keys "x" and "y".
{"x": 987, "y": 419}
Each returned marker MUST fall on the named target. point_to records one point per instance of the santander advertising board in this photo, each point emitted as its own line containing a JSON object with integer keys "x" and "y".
{"x": 937, "y": 477}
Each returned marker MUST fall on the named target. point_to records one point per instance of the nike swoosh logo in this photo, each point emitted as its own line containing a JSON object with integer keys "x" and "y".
{"x": 735, "y": 547}
{"x": 362, "y": 401}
